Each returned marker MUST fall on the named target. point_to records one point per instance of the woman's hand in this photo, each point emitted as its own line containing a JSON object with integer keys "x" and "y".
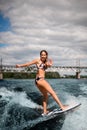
{"x": 49, "y": 62}
{"x": 18, "y": 66}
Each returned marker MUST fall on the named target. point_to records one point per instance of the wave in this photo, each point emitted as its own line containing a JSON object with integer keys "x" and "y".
{"x": 18, "y": 111}
{"x": 17, "y": 98}
{"x": 83, "y": 88}
{"x": 77, "y": 120}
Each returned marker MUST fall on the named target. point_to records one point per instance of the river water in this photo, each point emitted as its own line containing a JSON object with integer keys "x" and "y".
{"x": 21, "y": 104}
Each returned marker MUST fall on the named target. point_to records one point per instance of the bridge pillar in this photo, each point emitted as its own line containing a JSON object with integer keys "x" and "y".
{"x": 1, "y": 73}
{"x": 78, "y": 69}
{"x": 1, "y": 76}
{"x": 77, "y": 75}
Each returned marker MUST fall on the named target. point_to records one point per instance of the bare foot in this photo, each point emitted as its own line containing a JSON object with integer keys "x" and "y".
{"x": 65, "y": 107}
{"x": 46, "y": 112}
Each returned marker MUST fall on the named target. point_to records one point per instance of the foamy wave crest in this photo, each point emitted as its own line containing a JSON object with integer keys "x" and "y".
{"x": 77, "y": 119}
{"x": 83, "y": 88}
{"x": 69, "y": 99}
{"x": 6, "y": 94}
{"x": 18, "y": 98}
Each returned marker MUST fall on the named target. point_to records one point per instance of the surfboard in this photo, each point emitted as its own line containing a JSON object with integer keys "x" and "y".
{"x": 57, "y": 112}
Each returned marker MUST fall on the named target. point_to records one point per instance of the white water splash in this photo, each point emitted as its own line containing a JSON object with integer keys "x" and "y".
{"x": 21, "y": 98}
{"x": 18, "y": 98}
{"x": 6, "y": 94}
{"x": 71, "y": 100}
{"x": 77, "y": 119}
{"x": 83, "y": 88}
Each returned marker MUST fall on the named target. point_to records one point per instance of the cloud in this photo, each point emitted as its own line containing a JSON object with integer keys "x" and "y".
{"x": 59, "y": 26}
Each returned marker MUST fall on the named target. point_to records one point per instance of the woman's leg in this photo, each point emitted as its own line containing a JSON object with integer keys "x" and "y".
{"x": 43, "y": 84}
{"x": 45, "y": 98}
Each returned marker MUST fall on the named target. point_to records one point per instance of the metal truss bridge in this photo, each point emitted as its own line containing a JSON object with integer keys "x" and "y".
{"x": 12, "y": 68}
{"x": 53, "y": 68}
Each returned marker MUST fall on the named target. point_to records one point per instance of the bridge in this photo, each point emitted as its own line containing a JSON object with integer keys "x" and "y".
{"x": 12, "y": 68}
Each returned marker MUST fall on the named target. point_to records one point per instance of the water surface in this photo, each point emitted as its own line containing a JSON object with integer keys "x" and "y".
{"x": 20, "y": 101}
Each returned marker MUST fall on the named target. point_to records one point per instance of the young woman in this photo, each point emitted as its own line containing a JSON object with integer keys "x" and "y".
{"x": 42, "y": 64}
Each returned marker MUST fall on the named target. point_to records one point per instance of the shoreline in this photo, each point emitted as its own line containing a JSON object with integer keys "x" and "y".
{"x": 32, "y": 75}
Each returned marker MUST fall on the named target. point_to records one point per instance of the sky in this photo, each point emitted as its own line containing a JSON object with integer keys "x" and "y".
{"x": 29, "y": 26}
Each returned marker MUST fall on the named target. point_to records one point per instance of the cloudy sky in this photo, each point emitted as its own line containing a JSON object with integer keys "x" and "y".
{"x": 28, "y": 26}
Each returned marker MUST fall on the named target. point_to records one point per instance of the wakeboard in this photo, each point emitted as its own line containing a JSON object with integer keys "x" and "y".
{"x": 58, "y": 112}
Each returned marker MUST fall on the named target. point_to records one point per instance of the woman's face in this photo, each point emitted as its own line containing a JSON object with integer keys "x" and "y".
{"x": 43, "y": 56}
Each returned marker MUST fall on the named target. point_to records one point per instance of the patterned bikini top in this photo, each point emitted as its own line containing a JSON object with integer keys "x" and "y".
{"x": 41, "y": 66}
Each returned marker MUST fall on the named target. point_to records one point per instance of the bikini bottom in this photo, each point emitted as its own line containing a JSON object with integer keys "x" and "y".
{"x": 37, "y": 79}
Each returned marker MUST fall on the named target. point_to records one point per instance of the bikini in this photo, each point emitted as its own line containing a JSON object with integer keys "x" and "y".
{"x": 41, "y": 66}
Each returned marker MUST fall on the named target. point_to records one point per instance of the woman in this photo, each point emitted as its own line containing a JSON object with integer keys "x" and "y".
{"x": 42, "y": 64}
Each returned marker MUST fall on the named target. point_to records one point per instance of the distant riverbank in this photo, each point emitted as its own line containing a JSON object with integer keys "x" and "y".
{"x": 31, "y": 75}
{"x": 25, "y": 75}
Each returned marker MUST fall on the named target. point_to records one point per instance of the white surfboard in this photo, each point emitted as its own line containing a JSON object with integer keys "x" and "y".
{"x": 57, "y": 112}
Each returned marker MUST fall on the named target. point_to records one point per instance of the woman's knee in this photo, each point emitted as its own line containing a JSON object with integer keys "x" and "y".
{"x": 45, "y": 95}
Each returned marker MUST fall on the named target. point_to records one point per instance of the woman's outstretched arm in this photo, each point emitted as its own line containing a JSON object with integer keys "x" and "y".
{"x": 27, "y": 64}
